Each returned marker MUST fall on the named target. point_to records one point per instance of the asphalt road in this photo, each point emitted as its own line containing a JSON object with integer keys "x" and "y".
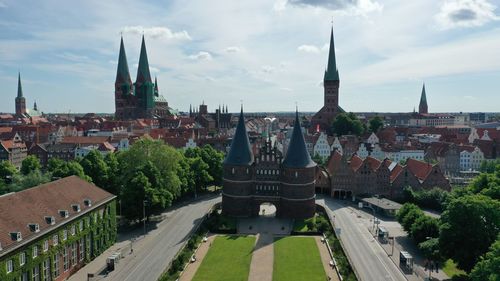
{"x": 153, "y": 253}
{"x": 368, "y": 258}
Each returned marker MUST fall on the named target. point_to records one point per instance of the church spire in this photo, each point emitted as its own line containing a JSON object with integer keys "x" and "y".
{"x": 35, "y": 107}
{"x": 143, "y": 74}
{"x": 422, "y": 107}
{"x": 156, "y": 88}
{"x": 331, "y": 72}
{"x": 19, "y": 86}
{"x": 240, "y": 153}
{"x": 297, "y": 155}
{"x": 122, "y": 72}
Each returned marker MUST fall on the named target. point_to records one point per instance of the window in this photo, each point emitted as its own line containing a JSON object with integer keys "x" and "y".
{"x": 73, "y": 231}
{"x": 56, "y": 265}
{"x": 10, "y": 266}
{"x": 82, "y": 249}
{"x": 55, "y": 240}
{"x": 22, "y": 258}
{"x": 73, "y": 254}
{"x": 45, "y": 245}
{"x": 35, "y": 273}
{"x": 35, "y": 251}
{"x": 80, "y": 225}
{"x": 46, "y": 270}
{"x": 24, "y": 276}
{"x": 65, "y": 259}
{"x": 65, "y": 235}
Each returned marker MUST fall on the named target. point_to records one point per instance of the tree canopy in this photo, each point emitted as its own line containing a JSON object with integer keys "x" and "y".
{"x": 30, "y": 164}
{"x": 376, "y": 123}
{"x": 346, "y": 124}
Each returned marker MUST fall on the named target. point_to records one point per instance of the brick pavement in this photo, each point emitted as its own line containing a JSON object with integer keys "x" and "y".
{"x": 261, "y": 267}
{"x": 200, "y": 254}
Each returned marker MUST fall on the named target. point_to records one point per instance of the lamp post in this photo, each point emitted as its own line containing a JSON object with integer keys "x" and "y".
{"x": 144, "y": 202}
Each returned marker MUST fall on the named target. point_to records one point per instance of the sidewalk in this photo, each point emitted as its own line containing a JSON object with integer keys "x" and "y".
{"x": 190, "y": 270}
{"x": 325, "y": 258}
{"x": 261, "y": 266}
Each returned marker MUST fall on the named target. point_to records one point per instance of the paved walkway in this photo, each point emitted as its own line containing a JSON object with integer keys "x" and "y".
{"x": 200, "y": 254}
{"x": 261, "y": 267}
{"x": 325, "y": 259}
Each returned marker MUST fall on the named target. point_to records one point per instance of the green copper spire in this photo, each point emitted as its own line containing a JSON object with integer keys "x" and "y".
{"x": 143, "y": 74}
{"x": 297, "y": 155}
{"x": 122, "y": 73}
{"x": 331, "y": 72}
{"x": 19, "y": 86}
{"x": 422, "y": 107}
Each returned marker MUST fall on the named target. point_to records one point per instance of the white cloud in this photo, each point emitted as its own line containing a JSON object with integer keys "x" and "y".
{"x": 357, "y": 7}
{"x": 465, "y": 13}
{"x": 201, "y": 56}
{"x": 233, "y": 49}
{"x": 267, "y": 69}
{"x": 73, "y": 57}
{"x": 308, "y": 49}
{"x": 157, "y": 32}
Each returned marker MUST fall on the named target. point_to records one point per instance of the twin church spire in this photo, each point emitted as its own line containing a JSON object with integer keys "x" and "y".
{"x": 143, "y": 73}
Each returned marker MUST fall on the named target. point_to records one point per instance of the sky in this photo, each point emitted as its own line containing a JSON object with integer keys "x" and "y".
{"x": 267, "y": 54}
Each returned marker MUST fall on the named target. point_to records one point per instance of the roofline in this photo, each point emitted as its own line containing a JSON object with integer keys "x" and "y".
{"x": 48, "y": 230}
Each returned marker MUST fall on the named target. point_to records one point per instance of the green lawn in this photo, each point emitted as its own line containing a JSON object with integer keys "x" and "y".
{"x": 297, "y": 258}
{"x": 450, "y": 268}
{"x": 228, "y": 259}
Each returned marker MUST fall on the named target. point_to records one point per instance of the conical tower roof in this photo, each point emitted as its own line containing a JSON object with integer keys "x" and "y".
{"x": 143, "y": 74}
{"x": 297, "y": 155}
{"x": 331, "y": 72}
{"x": 240, "y": 153}
{"x": 422, "y": 107}
{"x": 19, "y": 86}
{"x": 122, "y": 72}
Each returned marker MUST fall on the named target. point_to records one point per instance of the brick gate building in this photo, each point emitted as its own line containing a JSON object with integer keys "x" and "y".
{"x": 288, "y": 183}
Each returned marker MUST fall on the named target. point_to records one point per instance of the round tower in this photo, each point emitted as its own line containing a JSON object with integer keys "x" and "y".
{"x": 238, "y": 174}
{"x": 298, "y": 178}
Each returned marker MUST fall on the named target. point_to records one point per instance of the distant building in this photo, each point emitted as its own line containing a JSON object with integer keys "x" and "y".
{"x": 422, "y": 107}
{"x": 323, "y": 119}
{"x": 51, "y": 231}
{"x": 13, "y": 150}
{"x": 288, "y": 183}
{"x": 20, "y": 100}
{"x": 141, "y": 99}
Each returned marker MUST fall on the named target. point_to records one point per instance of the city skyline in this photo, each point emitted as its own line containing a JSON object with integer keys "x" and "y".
{"x": 272, "y": 55}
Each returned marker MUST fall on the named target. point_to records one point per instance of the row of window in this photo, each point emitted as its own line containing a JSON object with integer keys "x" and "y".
{"x": 71, "y": 255}
{"x": 268, "y": 172}
{"x": 267, "y": 187}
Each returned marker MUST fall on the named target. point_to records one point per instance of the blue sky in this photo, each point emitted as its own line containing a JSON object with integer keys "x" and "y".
{"x": 268, "y": 53}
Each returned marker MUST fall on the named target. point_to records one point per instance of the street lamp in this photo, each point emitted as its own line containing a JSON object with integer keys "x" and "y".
{"x": 144, "y": 202}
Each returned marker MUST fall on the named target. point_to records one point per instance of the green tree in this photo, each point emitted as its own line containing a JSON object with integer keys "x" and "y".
{"x": 186, "y": 176}
{"x": 114, "y": 176}
{"x": 60, "y": 169}
{"x": 424, "y": 227}
{"x": 133, "y": 195}
{"x": 376, "y": 123}
{"x": 430, "y": 248}
{"x": 201, "y": 176}
{"x": 214, "y": 160}
{"x": 407, "y": 215}
{"x": 30, "y": 164}
{"x": 94, "y": 166}
{"x": 347, "y": 123}
{"x": 469, "y": 226}
{"x": 21, "y": 182}
{"x": 319, "y": 160}
{"x": 488, "y": 268}
{"x": 7, "y": 170}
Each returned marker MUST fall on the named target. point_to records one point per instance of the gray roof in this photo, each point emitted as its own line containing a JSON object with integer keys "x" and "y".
{"x": 297, "y": 155}
{"x": 240, "y": 153}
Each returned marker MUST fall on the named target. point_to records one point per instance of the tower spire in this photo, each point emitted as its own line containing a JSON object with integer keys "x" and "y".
{"x": 143, "y": 74}
{"x": 297, "y": 155}
{"x": 122, "y": 72}
{"x": 422, "y": 107}
{"x": 19, "y": 86}
{"x": 331, "y": 72}
{"x": 240, "y": 153}
{"x": 156, "y": 88}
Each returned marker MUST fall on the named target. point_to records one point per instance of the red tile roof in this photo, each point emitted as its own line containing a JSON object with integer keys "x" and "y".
{"x": 333, "y": 162}
{"x": 84, "y": 140}
{"x": 373, "y": 163}
{"x": 19, "y": 209}
{"x": 420, "y": 169}
{"x": 356, "y": 162}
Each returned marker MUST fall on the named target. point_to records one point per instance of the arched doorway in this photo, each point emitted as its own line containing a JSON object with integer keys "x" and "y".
{"x": 267, "y": 209}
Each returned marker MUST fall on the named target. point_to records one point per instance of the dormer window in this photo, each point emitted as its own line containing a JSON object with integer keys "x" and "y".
{"x": 87, "y": 202}
{"x": 63, "y": 213}
{"x": 76, "y": 207}
{"x": 16, "y": 236}
{"x": 50, "y": 220}
{"x": 34, "y": 227}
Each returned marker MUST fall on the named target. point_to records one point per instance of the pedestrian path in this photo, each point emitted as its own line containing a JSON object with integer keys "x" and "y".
{"x": 200, "y": 254}
{"x": 261, "y": 267}
{"x": 325, "y": 259}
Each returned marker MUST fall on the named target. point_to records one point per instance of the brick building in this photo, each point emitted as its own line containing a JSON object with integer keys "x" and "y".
{"x": 286, "y": 182}
{"x": 50, "y": 231}
{"x": 140, "y": 99}
{"x": 323, "y": 119}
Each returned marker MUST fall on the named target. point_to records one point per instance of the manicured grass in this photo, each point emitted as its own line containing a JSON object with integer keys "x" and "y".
{"x": 228, "y": 259}
{"x": 450, "y": 268}
{"x": 297, "y": 259}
